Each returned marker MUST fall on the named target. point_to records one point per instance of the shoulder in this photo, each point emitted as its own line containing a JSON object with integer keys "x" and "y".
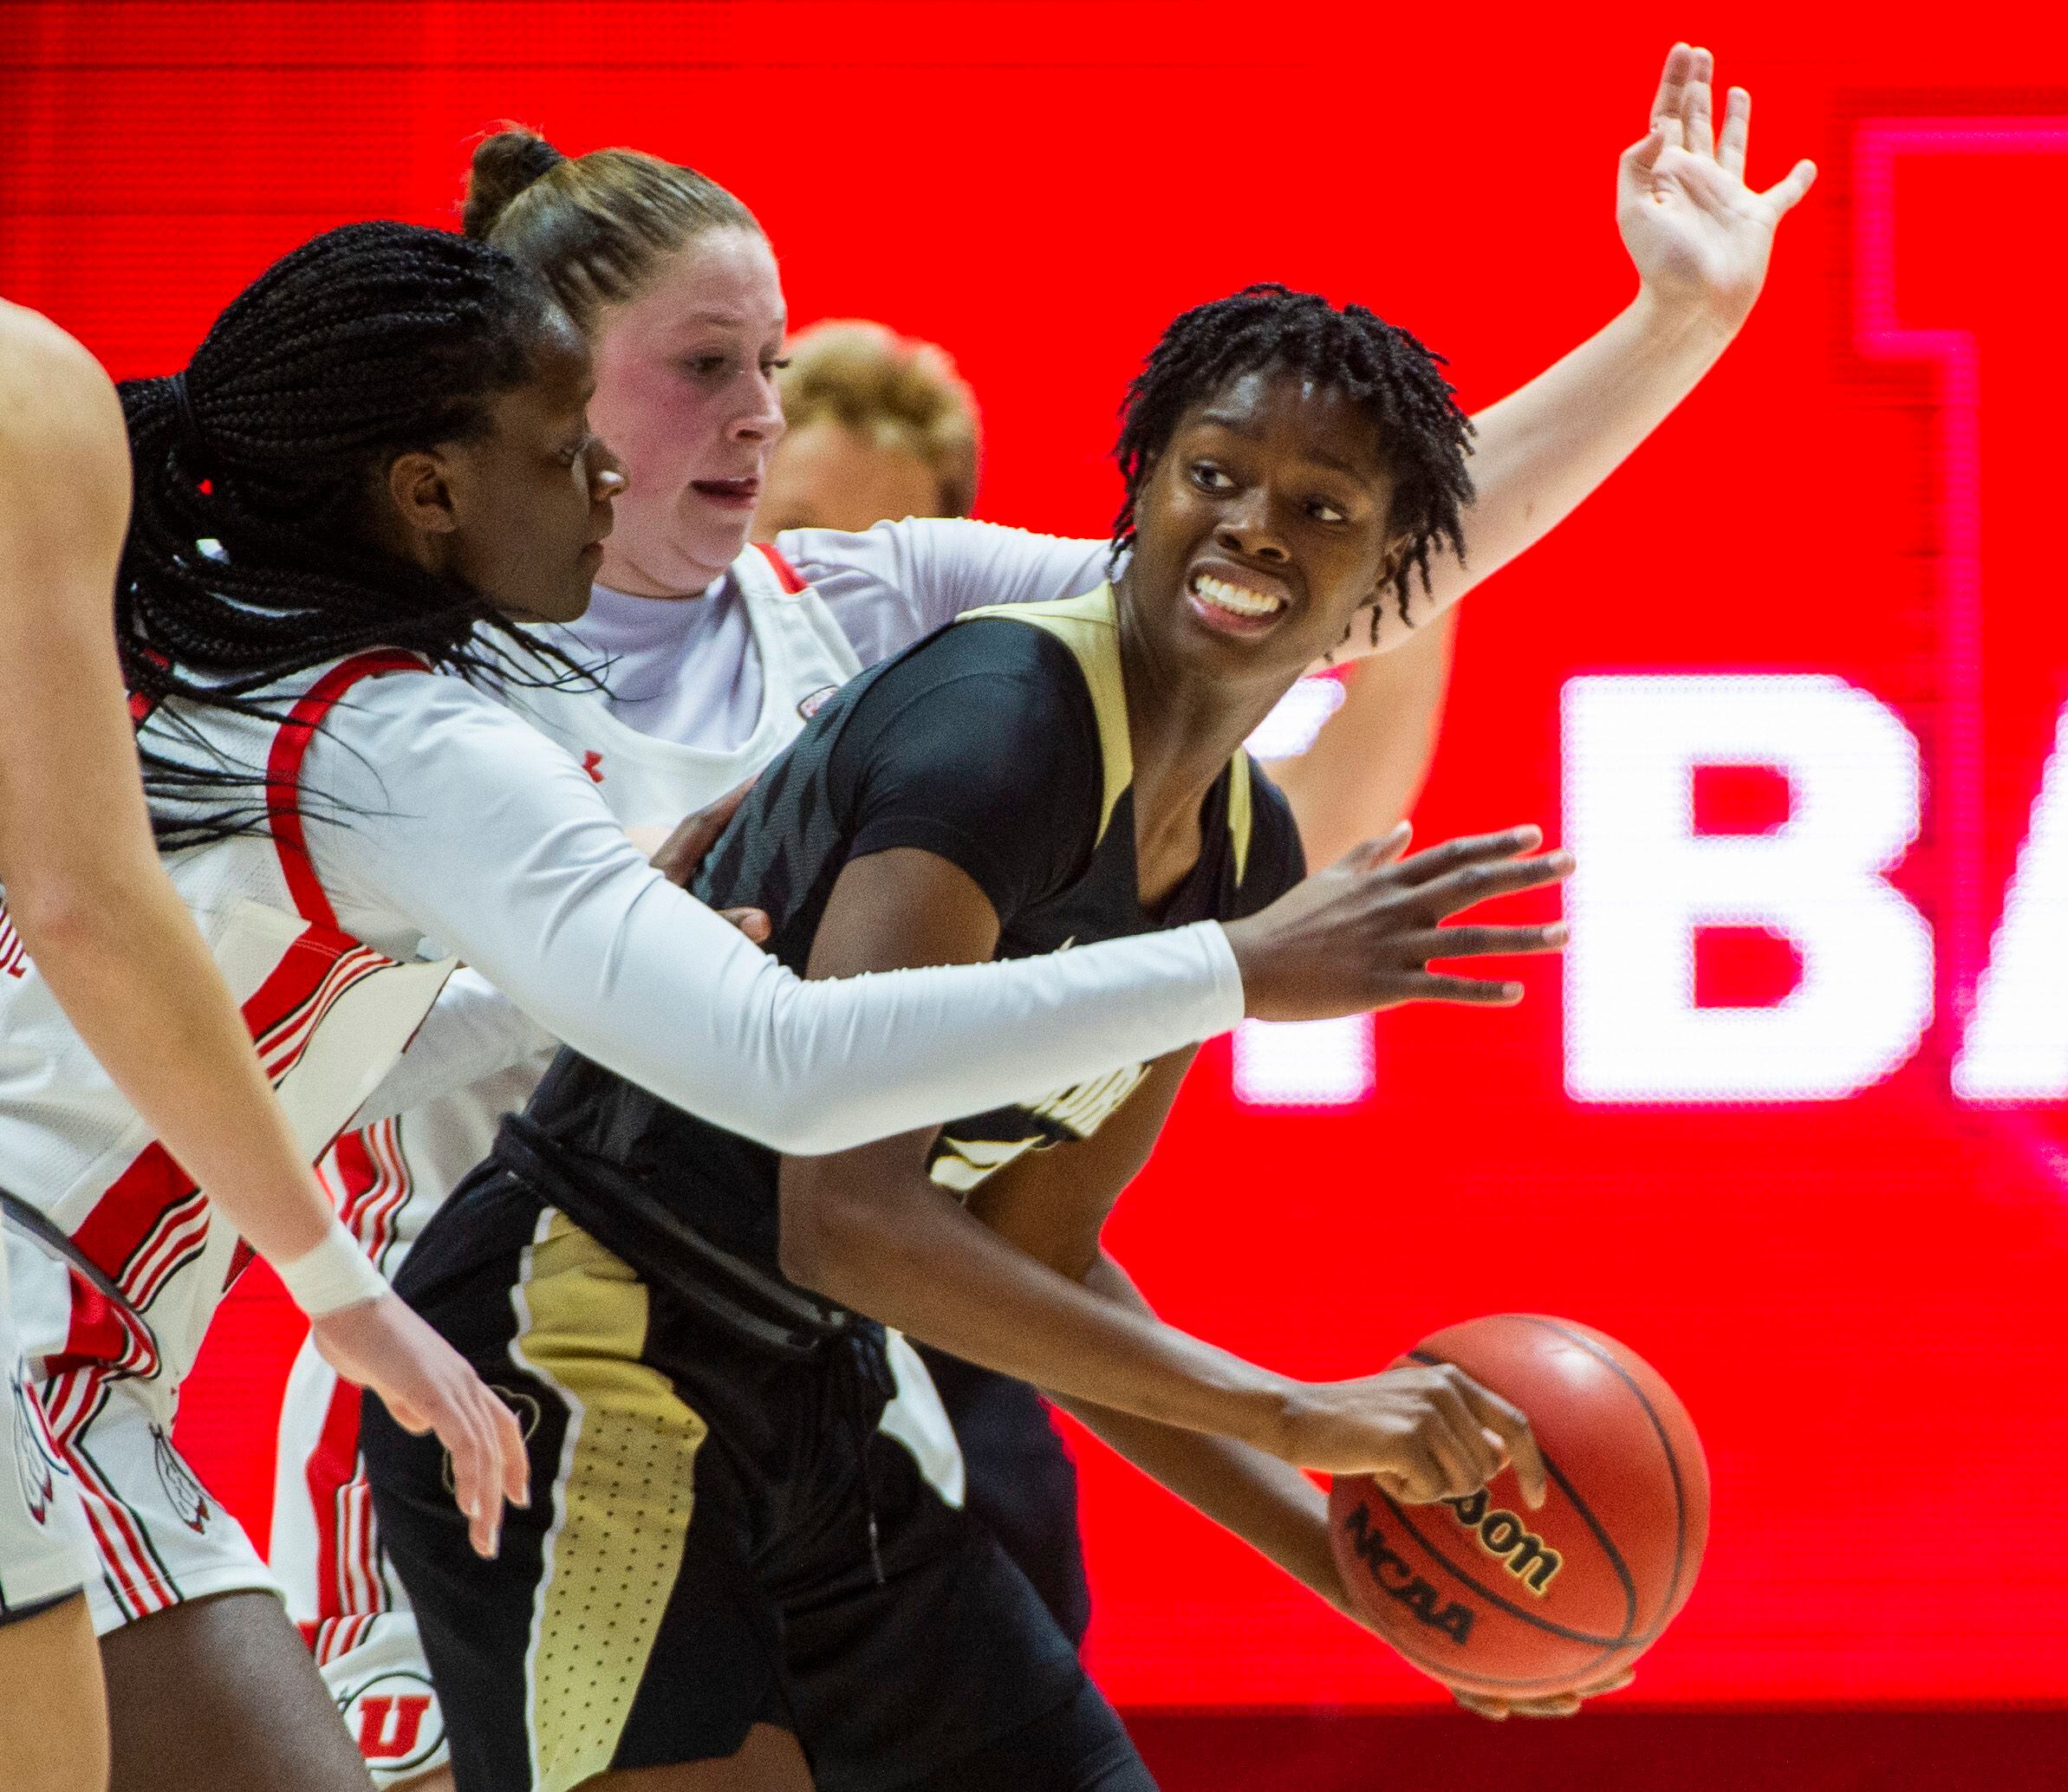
{"x": 997, "y": 683}
{"x": 892, "y": 584}
{"x": 60, "y": 424}
{"x": 382, "y": 723}
{"x": 925, "y": 545}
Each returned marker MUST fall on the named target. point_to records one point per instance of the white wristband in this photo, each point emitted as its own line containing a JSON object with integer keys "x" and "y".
{"x": 336, "y": 1274}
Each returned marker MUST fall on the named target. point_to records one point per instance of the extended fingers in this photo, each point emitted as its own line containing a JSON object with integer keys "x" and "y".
{"x": 1471, "y": 991}
{"x": 1468, "y": 849}
{"x": 1666, "y": 103}
{"x": 1695, "y": 106}
{"x": 516, "y": 1466}
{"x": 1737, "y": 129}
{"x": 1368, "y": 855}
{"x": 1484, "y": 942}
{"x": 1510, "y": 1424}
{"x": 469, "y": 1437}
{"x": 1786, "y": 194}
{"x": 1486, "y": 879}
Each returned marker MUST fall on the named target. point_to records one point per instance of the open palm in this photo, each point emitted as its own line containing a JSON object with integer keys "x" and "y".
{"x": 1698, "y": 234}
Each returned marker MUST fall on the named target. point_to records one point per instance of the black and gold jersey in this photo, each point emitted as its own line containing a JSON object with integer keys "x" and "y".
{"x": 1000, "y": 744}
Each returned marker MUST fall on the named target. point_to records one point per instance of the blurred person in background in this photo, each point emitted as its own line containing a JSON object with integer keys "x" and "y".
{"x": 876, "y": 426}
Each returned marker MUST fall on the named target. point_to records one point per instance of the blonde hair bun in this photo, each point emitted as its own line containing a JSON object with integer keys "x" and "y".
{"x": 505, "y": 163}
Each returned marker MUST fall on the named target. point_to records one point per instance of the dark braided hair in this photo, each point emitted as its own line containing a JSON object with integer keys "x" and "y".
{"x": 250, "y": 554}
{"x": 1422, "y": 435}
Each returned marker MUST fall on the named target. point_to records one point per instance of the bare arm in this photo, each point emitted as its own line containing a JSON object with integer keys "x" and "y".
{"x": 84, "y": 885}
{"x": 1053, "y": 1203}
{"x": 869, "y": 1228}
{"x": 97, "y": 912}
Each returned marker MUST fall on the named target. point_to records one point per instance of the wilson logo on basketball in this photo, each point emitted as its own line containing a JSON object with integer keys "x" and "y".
{"x": 1394, "y": 1576}
{"x": 1501, "y": 1533}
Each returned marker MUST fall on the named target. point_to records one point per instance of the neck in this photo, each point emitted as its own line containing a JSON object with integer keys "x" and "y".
{"x": 1182, "y": 732}
{"x": 621, "y": 573}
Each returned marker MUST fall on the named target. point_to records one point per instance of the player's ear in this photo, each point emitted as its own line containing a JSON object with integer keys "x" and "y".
{"x": 419, "y": 486}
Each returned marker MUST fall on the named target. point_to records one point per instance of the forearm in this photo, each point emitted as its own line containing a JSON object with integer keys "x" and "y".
{"x": 84, "y": 885}
{"x": 1268, "y": 1504}
{"x": 894, "y": 1247}
{"x": 1543, "y": 449}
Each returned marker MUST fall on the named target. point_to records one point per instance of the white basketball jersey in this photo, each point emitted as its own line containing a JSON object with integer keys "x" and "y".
{"x": 329, "y": 1017}
{"x": 389, "y": 1179}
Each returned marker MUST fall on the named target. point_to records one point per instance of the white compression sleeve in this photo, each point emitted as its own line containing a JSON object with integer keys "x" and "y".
{"x": 473, "y": 1032}
{"x": 474, "y": 829}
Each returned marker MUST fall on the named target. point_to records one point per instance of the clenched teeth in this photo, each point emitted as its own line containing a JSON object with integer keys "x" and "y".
{"x": 1239, "y": 599}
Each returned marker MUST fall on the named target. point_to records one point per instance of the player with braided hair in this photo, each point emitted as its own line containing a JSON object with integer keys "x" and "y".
{"x": 738, "y": 1573}
{"x": 247, "y": 556}
{"x": 711, "y": 663}
{"x": 1375, "y": 364}
{"x": 90, "y": 917}
{"x": 332, "y": 536}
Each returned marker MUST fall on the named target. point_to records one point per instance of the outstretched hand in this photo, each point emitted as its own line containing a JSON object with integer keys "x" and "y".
{"x": 1362, "y": 933}
{"x": 1699, "y": 235}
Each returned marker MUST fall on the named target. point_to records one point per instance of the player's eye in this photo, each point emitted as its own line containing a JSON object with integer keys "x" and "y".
{"x": 708, "y": 367}
{"x": 775, "y": 366}
{"x": 1209, "y": 478}
{"x": 1323, "y": 510}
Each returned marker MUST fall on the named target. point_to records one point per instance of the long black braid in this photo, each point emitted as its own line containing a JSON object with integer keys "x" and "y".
{"x": 1422, "y": 434}
{"x": 250, "y": 555}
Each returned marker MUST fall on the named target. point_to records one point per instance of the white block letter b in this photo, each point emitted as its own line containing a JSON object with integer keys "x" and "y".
{"x": 1646, "y": 881}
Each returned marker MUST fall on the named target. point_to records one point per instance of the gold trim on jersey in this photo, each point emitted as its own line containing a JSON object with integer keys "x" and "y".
{"x": 1089, "y": 627}
{"x": 622, "y": 1500}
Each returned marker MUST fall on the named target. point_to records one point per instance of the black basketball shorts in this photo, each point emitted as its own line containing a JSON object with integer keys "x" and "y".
{"x": 719, "y": 1536}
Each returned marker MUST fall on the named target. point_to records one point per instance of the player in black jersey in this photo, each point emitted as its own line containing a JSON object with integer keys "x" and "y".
{"x": 740, "y": 1579}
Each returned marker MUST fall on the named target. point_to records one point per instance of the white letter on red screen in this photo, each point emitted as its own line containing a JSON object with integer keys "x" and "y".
{"x": 2017, "y": 1044}
{"x": 1646, "y": 881}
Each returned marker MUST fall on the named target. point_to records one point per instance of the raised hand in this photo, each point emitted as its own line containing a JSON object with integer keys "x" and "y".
{"x": 1700, "y": 236}
{"x": 1362, "y": 933}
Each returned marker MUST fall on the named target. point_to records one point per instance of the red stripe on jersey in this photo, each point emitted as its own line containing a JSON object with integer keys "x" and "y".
{"x": 283, "y": 771}
{"x": 144, "y": 1226}
{"x": 786, "y": 575}
{"x": 332, "y": 1464}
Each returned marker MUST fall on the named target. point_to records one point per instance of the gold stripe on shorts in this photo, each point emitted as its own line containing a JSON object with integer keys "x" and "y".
{"x": 621, "y": 1503}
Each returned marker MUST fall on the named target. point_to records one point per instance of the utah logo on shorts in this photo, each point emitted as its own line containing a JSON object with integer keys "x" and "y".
{"x": 32, "y": 1465}
{"x": 394, "y": 1719}
{"x": 182, "y": 1491}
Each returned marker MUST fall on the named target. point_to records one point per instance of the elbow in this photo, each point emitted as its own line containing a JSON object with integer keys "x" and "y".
{"x": 815, "y": 1239}
{"x": 62, "y": 920}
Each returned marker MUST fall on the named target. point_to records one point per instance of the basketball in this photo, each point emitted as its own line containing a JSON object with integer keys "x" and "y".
{"x": 1493, "y": 1599}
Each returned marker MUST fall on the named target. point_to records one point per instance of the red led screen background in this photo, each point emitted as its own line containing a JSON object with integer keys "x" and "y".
{"x": 1859, "y": 1298}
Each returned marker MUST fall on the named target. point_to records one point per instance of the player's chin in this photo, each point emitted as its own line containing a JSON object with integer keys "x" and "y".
{"x": 711, "y": 533}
